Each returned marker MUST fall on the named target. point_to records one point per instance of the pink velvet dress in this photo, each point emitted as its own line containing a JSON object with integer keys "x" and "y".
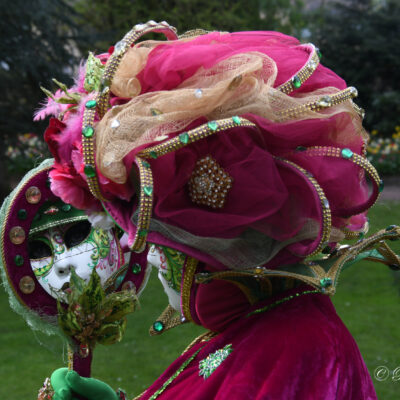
{"x": 297, "y": 349}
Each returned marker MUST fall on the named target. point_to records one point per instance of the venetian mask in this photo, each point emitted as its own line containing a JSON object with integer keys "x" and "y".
{"x": 55, "y": 252}
{"x": 169, "y": 263}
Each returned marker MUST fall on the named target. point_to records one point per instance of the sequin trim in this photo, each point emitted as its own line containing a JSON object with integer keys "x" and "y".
{"x": 213, "y": 361}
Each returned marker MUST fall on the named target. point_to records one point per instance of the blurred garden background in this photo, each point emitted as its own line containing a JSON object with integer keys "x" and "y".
{"x": 45, "y": 39}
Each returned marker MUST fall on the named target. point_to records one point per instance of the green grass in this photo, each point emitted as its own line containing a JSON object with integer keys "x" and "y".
{"x": 367, "y": 300}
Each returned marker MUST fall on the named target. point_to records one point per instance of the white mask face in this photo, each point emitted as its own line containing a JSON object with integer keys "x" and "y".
{"x": 55, "y": 252}
{"x": 169, "y": 263}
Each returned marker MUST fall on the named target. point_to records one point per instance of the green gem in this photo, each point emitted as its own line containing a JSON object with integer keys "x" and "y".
{"x": 319, "y": 54}
{"x": 88, "y": 131}
{"x": 381, "y": 186}
{"x": 325, "y": 282}
{"x": 390, "y": 227}
{"x": 184, "y": 138}
{"x": 148, "y": 190}
{"x": 347, "y": 153}
{"x": 145, "y": 164}
{"x": 361, "y": 235}
{"x": 301, "y": 148}
{"x": 158, "y": 326}
{"x": 296, "y": 82}
{"x": 155, "y": 112}
{"x": 136, "y": 268}
{"x": 22, "y": 214}
{"x": 213, "y": 125}
{"x": 153, "y": 154}
{"x": 90, "y": 171}
{"x": 91, "y": 104}
{"x": 119, "y": 280}
{"x": 19, "y": 260}
{"x": 236, "y": 120}
{"x": 48, "y": 183}
{"x": 142, "y": 233}
{"x": 66, "y": 207}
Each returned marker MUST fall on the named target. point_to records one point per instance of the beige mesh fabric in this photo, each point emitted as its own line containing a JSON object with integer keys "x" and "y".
{"x": 237, "y": 85}
{"x": 125, "y": 83}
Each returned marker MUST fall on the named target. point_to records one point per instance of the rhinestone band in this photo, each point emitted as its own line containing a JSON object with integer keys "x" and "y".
{"x": 119, "y": 51}
{"x": 322, "y": 103}
{"x": 324, "y": 203}
{"x": 301, "y": 76}
{"x": 145, "y": 205}
{"x": 194, "y": 135}
{"x": 101, "y": 102}
{"x": 362, "y": 162}
{"x": 356, "y": 234}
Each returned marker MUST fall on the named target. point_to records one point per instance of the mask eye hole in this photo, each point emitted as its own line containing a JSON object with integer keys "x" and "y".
{"x": 39, "y": 249}
{"x": 77, "y": 233}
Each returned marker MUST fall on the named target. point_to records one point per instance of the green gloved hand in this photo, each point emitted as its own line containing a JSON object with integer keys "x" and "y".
{"x": 60, "y": 386}
{"x": 67, "y": 383}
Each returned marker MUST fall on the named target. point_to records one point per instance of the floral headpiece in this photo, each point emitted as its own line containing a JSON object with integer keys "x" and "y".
{"x": 239, "y": 149}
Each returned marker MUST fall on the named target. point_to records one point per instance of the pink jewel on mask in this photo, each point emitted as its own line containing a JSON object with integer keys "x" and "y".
{"x": 58, "y": 238}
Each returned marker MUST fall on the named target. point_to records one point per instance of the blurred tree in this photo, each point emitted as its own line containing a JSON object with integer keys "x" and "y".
{"x": 37, "y": 43}
{"x": 360, "y": 40}
{"x": 109, "y": 20}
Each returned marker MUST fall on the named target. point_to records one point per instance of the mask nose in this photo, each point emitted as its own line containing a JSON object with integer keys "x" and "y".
{"x": 63, "y": 268}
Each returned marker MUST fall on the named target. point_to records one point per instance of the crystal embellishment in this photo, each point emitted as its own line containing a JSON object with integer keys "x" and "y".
{"x": 120, "y": 47}
{"x": 213, "y": 361}
{"x": 347, "y": 153}
{"x": 158, "y": 326}
{"x": 115, "y": 124}
{"x": 209, "y": 184}
{"x": 33, "y": 195}
{"x": 325, "y": 101}
{"x": 27, "y": 285}
{"x": 296, "y": 81}
{"x": 17, "y": 235}
{"x": 198, "y": 93}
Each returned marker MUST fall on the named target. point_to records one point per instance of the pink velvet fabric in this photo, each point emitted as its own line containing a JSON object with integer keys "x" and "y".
{"x": 299, "y": 350}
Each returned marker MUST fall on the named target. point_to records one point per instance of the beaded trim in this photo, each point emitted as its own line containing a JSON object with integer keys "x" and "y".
{"x": 347, "y": 154}
{"x": 349, "y": 235}
{"x": 324, "y": 281}
{"x": 194, "y": 135}
{"x": 188, "y": 276}
{"x": 304, "y": 73}
{"x": 322, "y": 103}
{"x": 175, "y": 375}
{"x": 193, "y": 33}
{"x": 145, "y": 205}
{"x": 57, "y": 223}
{"x": 324, "y": 203}
{"x": 377, "y": 240}
{"x": 313, "y": 280}
{"x": 280, "y": 301}
{"x": 101, "y": 101}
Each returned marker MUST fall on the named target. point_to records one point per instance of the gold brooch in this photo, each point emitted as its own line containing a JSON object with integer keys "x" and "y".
{"x": 209, "y": 184}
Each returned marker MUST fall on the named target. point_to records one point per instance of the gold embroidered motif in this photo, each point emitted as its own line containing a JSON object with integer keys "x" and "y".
{"x": 209, "y": 184}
